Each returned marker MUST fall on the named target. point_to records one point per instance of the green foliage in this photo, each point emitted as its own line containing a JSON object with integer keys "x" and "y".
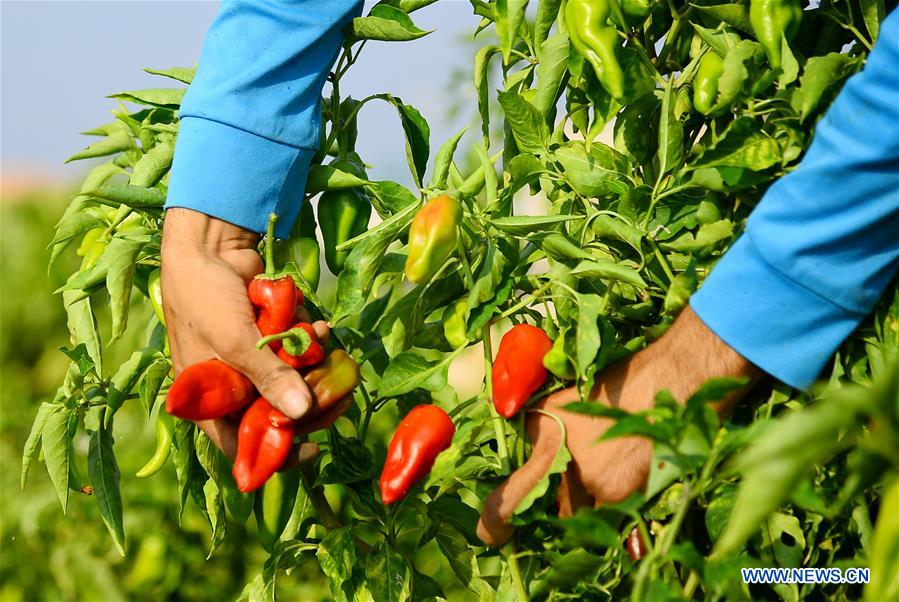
{"x": 635, "y": 221}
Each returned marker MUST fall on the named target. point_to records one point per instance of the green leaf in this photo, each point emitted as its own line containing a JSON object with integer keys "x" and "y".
{"x": 743, "y": 144}
{"x": 158, "y": 97}
{"x": 706, "y": 236}
{"x": 736, "y": 15}
{"x": 387, "y": 574}
{"x": 462, "y": 560}
{"x": 547, "y": 14}
{"x": 151, "y": 383}
{"x": 127, "y": 377}
{"x": 635, "y": 128}
{"x": 409, "y": 371}
{"x": 528, "y": 126}
{"x": 559, "y": 465}
{"x": 104, "y": 473}
{"x": 587, "y": 337}
{"x": 589, "y": 174}
{"x": 387, "y": 198}
{"x": 116, "y": 142}
{"x": 444, "y": 159}
{"x": 509, "y": 15}
{"x": 609, "y": 270}
{"x": 481, "y": 84}
{"x": 821, "y": 77}
{"x": 122, "y": 254}
{"x": 182, "y": 74}
{"x": 385, "y": 23}
{"x": 734, "y": 73}
{"x": 337, "y": 557}
{"x": 56, "y": 442}
{"x": 328, "y": 177}
{"x": 671, "y": 133}
{"x": 150, "y": 168}
{"x": 523, "y": 225}
{"x": 34, "y": 438}
{"x": 215, "y": 508}
{"x": 551, "y": 69}
{"x": 562, "y": 248}
{"x": 82, "y": 325}
{"x": 682, "y": 287}
{"x": 417, "y": 134}
{"x": 607, "y": 226}
{"x": 132, "y": 196}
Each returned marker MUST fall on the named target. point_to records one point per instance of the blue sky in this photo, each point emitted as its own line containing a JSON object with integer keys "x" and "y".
{"x": 61, "y": 59}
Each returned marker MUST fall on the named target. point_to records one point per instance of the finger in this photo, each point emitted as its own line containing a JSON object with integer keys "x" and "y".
{"x": 326, "y": 419}
{"x": 281, "y": 385}
{"x": 301, "y": 314}
{"x": 322, "y": 331}
{"x": 493, "y": 527}
{"x": 572, "y": 495}
{"x": 300, "y": 454}
{"x": 223, "y": 434}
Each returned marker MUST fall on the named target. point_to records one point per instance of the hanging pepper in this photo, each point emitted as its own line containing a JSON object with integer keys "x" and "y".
{"x": 636, "y": 8}
{"x": 301, "y": 247}
{"x": 518, "y": 369}
{"x": 300, "y": 348}
{"x": 432, "y": 237}
{"x": 772, "y": 21}
{"x": 154, "y": 291}
{"x": 420, "y": 437}
{"x": 274, "y": 505}
{"x": 92, "y": 247}
{"x": 454, "y": 324}
{"x": 596, "y": 40}
{"x": 273, "y": 296}
{"x": 264, "y": 439}
{"x": 557, "y": 361}
{"x": 705, "y": 84}
{"x": 342, "y": 214}
{"x": 207, "y": 390}
{"x": 163, "y": 448}
{"x": 332, "y": 380}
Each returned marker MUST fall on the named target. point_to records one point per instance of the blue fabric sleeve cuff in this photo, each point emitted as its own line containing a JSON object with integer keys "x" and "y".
{"x": 236, "y": 176}
{"x": 776, "y": 323}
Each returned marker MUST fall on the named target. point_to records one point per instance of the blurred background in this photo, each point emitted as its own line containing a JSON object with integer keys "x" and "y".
{"x": 60, "y": 60}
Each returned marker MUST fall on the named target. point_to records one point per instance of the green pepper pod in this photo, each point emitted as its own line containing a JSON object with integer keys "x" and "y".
{"x": 163, "y": 448}
{"x": 274, "y": 504}
{"x": 432, "y": 237}
{"x": 597, "y": 41}
{"x": 154, "y": 291}
{"x": 342, "y": 215}
{"x": 705, "y": 84}
{"x": 305, "y": 253}
{"x": 557, "y": 361}
{"x": 772, "y": 21}
{"x": 454, "y": 323}
{"x": 92, "y": 247}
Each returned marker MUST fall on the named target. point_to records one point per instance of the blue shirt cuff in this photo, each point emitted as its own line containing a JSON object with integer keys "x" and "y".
{"x": 776, "y": 323}
{"x": 236, "y": 176}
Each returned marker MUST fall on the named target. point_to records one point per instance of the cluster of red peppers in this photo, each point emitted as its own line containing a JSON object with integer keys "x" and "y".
{"x": 211, "y": 389}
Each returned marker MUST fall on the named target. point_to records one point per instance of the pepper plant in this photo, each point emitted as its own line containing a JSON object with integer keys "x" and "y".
{"x": 650, "y": 130}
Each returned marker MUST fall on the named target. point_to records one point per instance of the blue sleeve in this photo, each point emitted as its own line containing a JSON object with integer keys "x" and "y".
{"x": 823, "y": 244}
{"x": 250, "y": 121}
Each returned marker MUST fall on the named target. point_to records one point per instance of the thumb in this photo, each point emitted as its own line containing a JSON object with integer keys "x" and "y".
{"x": 493, "y": 527}
{"x": 278, "y": 383}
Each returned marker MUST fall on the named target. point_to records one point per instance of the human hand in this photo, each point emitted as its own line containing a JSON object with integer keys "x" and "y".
{"x": 206, "y": 267}
{"x": 608, "y": 472}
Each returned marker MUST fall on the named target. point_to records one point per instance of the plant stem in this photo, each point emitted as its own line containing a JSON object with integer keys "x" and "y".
{"x": 525, "y": 301}
{"x": 317, "y": 496}
{"x": 515, "y": 572}
{"x": 366, "y": 418}
{"x": 664, "y": 263}
{"x": 499, "y": 426}
{"x": 270, "y": 245}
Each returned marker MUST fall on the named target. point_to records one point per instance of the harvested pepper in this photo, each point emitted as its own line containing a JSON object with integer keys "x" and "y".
{"x": 300, "y": 348}
{"x": 342, "y": 214}
{"x": 705, "y": 85}
{"x": 420, "y": 437}
{"x": 273, "y": 296}
{"x": 773, "y": 21}
{"x": 154, "y": 291}
{"x": 518, "y": 369}
{"x": 432, "y": 237}
{"x": 331, "y": 380}
{"x": 264, "y": 439}
{"x": 163, "y": 448}
{"x": 274, "y": 504}
{"x": 596, "y": 40}
{"x": 207, "y": 390}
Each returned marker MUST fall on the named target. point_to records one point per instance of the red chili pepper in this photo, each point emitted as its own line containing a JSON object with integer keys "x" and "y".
{"x": 206, "y": 390}
{"x": 300, "y": 347}
{"x": 421, "y": 436}
{"x": 636, "y": 548}
{"x": 518, "y": 369}
{"x": 264, "y": 440}
{"x": 274, "y": 297}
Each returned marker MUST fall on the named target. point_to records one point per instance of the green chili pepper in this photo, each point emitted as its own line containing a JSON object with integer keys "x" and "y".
{"x": 557, "y": 361}
{"x": 705, "y": 84}
{"x": 596, "y": 40}
{"x": 635, "y": 8}
{"x": 454, "y": 323}
{"x": 92, "y": 247}
{"x": 274, "y": 504}
{"x": 163, "y": 448}
{"x": 342, "y": 214}
{"x": 772, "y": 21}
{"x": 154, "y": 291}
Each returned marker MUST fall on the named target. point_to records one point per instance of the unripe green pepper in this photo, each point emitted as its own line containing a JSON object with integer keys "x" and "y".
{"x": 163, "y": 447}
{"x": 596, "y": 40}
{"x": 342, "y": 215}
{"x": 557, "y": 361}
{"x": 454, "y": 324}
{"x": 304, "y": 252}
{"x": 154, "y": 291}
{"x": 635, "y": 8}
{"x": 773, "y": 20}
{"x": 432, "y": 237}
{"x": 274, "y": 504}
{"x": 92, "y": 247}
{"x": 705, "y": 84}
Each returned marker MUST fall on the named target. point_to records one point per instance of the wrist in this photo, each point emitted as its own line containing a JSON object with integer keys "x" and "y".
{"x": 193, "y": 232}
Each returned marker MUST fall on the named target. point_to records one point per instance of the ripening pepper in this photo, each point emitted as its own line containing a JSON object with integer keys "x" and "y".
{"x": 420, "y": 437}
{"x": 342, "y": 214}
{"x": 772, "y": 21}
{"x": 432, "y": 237}
{"x": 454, "y": 324}
{"x": 163, "y": 448}
{"x": 264, "y": 439}
{"x": 705, "y": 84}
{"x": 154, "y": 291}
{"x": 207, "y": 390}
{"x": 597, "y": 41}
{"x": 331, "y": 380}
{"x": 518, "y": 369}
{"x": 300, "y": 348}
{"x": 305, "y": 253}
{"x": 274, "y": 505}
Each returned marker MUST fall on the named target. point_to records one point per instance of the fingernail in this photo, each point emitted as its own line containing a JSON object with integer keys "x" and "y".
{"x": 295, "y": 404}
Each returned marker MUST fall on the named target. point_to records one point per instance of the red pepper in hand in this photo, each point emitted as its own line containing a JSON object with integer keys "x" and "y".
{"x": 421, "y": 436}
{"x": 300, "y": 348}
{"x": 274, "y": 298}
{"x": 518, "y": 369}
{"x": 207, "y": 390}
{"x": 264, "y": 440}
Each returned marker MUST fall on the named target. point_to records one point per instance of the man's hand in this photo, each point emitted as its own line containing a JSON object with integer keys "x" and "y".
{"x": 600, "y": 473}
{"x": 206, "y": 266}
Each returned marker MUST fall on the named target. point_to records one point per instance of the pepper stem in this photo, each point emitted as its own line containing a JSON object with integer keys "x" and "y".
{"x": 270, "y": 245}
{"x": 297, "y": 335}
